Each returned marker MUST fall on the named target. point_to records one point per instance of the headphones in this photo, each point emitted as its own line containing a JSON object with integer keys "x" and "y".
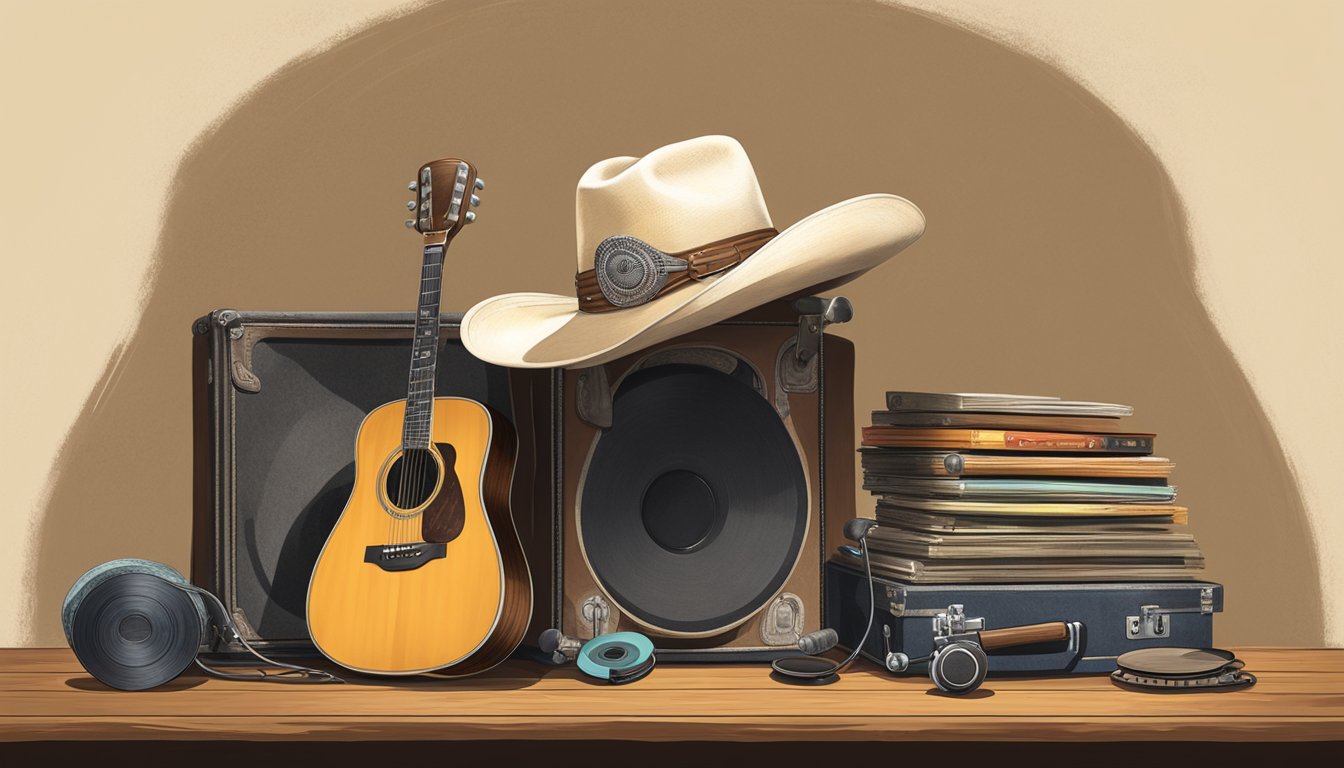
{"x": 958, "y": 663}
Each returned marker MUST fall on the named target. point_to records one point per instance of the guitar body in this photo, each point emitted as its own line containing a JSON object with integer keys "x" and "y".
{"x": 436, "y": 584}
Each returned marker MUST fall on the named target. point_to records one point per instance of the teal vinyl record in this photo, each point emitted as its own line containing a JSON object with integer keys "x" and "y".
{"x": 620, "y": 657}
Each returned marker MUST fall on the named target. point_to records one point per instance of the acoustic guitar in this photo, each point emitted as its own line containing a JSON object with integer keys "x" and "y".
{"x": 424, "y": 570}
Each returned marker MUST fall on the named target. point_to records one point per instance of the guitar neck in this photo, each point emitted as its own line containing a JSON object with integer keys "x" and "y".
{"x": 419, "y": 419}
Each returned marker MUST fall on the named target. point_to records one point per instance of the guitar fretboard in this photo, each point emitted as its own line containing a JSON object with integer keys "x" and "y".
{"x": 424, "y": 354}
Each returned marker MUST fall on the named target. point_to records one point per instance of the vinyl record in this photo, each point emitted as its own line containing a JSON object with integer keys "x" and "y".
{"x": 620, "y": 657}
{"x": 1175, "y": 662}
{"x": 1181, "y": 670}
{"x": 694, "y": 505}
{"x": 130, "y": 627}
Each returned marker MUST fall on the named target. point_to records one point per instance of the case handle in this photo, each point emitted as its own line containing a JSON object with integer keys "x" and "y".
{"x": 993, "y": 639}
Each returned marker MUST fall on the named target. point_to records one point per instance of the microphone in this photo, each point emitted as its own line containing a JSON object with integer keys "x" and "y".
{"x": 818, "y": 642}
{"x": 858, "y": 528}
{"x": 559, "y": 646}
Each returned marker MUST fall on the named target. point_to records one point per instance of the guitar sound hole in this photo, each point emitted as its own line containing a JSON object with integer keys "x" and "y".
{"x": 411, "y": 478}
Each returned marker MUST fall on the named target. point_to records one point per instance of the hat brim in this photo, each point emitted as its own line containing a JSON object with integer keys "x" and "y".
{"x": 835, "y": 244}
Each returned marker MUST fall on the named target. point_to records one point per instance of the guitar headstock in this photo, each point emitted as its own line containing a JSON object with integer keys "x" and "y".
{"x": 445, "y": 194}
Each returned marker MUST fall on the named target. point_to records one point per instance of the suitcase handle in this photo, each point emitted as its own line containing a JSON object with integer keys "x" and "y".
{"x": 1008, "y": 637}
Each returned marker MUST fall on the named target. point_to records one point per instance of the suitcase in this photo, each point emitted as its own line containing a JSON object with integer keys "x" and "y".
{"x": 278, "y": 399}
{"x": 1105, "y": 620}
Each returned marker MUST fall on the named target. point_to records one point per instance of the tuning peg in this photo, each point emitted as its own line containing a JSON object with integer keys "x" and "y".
{"x": 410, "y": 205}
{"x": 412, "y": 186}
{"x": 471, "y": 216}
{"x": 475, "y": 200}
{"x": 480, "y": 184}
{"x": 410, "y": 223}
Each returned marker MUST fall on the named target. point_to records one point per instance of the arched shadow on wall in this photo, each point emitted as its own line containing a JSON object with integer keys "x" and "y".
{"x": 1056, "y": 258}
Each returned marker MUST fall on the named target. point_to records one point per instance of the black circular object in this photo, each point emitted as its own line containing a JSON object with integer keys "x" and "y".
{"x": 959, "y": 667}
{"x": 806, "y": 669}
{"x": 679, "y": 511}
{"x": 135, "y": 631}
{"x": 694, "y": 503}
{"x": 1175, "y": 662}
{"x": 1172, "y": 670}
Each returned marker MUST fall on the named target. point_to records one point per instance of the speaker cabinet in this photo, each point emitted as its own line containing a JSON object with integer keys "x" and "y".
{"x": 278, "y": 399}
{"x": 702, "y": 482}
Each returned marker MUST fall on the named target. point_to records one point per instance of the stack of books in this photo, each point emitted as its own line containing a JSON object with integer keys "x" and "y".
{"x": 990, "y": 488}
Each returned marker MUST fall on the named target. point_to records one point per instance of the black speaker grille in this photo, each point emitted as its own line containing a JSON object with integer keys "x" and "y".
{"x": 294, "y": 446}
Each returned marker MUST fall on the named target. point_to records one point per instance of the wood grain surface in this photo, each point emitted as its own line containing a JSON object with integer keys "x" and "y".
{"x": 46, "y": 696}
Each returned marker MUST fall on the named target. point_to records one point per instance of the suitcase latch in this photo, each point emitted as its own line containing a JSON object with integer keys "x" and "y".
{"x": 596, "y": 614}
{"x": 796, "y": 367}
{"x": 1154, "y": 621}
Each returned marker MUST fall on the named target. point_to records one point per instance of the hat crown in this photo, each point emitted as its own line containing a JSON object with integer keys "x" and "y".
{"x": 675, "y": 198}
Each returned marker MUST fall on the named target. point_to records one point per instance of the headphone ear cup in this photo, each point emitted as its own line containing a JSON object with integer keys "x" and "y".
{"x": 959, "y": 667}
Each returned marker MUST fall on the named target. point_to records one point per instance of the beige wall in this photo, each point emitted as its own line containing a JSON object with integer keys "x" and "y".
{"x": 1237, "y": 104}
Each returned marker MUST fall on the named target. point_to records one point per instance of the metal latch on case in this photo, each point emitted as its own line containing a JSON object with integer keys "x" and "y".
{"x": 596, "y": 613}
{"x": 1153, "y": 620}
{"x": 797, "y": 366}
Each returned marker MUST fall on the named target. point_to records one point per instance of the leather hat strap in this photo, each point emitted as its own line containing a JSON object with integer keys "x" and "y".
{"x": 672, "y": 269}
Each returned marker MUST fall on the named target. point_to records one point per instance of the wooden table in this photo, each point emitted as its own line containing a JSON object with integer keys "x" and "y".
{"x": 46, "y": 697}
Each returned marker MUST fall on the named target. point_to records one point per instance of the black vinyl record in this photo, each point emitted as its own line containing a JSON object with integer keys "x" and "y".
{"x": 695, "y": 503}
{"x": 135, "y": 631}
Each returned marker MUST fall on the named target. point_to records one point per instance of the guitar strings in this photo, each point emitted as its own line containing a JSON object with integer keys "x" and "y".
{"x": 415, "y": 466}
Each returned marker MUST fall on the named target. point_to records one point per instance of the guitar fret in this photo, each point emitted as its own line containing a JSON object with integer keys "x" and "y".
{"x": 417, "y": 424}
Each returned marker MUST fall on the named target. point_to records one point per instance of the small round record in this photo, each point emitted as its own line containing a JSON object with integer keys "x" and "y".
{"x": 1175, "y": 662}
{"x": 806, "y": 670}
{"x": 1181, "y": 669}
{"x": 620, "y": 657}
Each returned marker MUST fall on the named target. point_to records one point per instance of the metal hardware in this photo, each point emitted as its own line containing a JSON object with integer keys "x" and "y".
{"x": 412, "y": 186}
{"x": 896, "y": 601}
{"x": 480, "y": 184}
{"x": 475, "y": 200}
{"x": 597, "y": 613}
{"x": 593, "y": 398}
{"x": 796, "y": 367}
{"x": 894, "y": 662}
{"x": 410, "y": 223}
{"x": 471, "y": 216}
{"x": 410, "y": 205}
{"x": 817, "y": 313}
{"x": 954, "y": 622}
{"x": 782, "y": 622}
{"x": 1152, "y": 620}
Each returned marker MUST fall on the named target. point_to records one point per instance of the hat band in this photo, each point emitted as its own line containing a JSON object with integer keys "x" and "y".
{"x": 628, "y": 272}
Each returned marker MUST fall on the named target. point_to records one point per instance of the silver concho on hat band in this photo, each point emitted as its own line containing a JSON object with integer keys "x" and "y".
{"x": 631, "y": 272}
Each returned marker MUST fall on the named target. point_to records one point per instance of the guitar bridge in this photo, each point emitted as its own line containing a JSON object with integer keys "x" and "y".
{"x": 404, "y": 557}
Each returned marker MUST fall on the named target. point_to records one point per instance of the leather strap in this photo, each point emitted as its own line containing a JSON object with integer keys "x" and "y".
{"x": 706, "y": 260}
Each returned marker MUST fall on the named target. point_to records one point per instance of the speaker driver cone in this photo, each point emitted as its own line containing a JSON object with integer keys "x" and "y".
{"x": 695, "y": 503}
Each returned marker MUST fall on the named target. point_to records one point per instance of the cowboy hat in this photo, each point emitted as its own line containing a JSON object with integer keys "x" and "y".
{"x": 674, "y": 241}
